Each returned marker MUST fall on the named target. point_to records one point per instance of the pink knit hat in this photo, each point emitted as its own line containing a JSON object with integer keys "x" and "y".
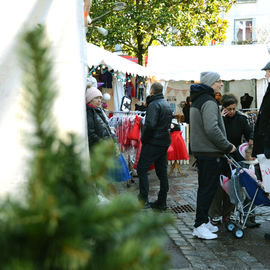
{"x": 91, "y": 93}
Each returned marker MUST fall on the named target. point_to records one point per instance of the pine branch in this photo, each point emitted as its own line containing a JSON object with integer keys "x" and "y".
{"x": 61, "y": 225}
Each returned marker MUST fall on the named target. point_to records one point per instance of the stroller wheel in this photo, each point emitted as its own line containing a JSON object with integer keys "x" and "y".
{"x": 238, "y": 233}
{"x": 230, "y": 226}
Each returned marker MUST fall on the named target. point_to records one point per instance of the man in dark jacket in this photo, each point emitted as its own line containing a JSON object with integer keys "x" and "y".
{"x": 208, "y": 144}
{"x": 155, "y": 142}
{"x": 262, "y": 127}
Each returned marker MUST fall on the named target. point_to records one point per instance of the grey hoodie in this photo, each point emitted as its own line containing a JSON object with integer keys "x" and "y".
{"x": 207, "y": 131}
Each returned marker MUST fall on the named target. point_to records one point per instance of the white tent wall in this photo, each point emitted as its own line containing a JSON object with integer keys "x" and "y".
{"x": 239, "y": 88}
{"x": 233, "y": 63}
{"x": 261, "y": 89}
{"x": 178, "y": 91}
{"x": 65, "y": 31}
{"x": 97, "y": 56}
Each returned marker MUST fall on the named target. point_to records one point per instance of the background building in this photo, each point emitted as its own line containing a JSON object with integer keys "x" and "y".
{"x": 249, "y": 22}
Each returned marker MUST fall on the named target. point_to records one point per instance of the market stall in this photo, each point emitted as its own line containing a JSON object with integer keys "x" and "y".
{"x": 239, "y": 66}
{"x": 127, "y": 77}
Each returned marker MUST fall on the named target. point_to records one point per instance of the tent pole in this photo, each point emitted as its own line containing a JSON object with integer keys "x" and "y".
{"x": 256, "y": 105}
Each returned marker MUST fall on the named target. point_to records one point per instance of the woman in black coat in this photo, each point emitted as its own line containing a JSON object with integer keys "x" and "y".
{"x": 98, "y": 127}
{"x": 186, "y": 109}
{"x": 236, "y": 125}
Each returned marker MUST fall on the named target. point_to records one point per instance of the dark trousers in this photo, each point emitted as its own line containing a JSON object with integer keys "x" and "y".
{"x": 209, "y": 169}
{"x": 158, "y": 155}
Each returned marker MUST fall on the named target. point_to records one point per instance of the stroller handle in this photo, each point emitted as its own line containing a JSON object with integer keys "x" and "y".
{"x": 233, "y": 161}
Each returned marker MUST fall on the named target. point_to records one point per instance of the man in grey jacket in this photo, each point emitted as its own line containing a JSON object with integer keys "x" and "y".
{"x": 208, "y": 144}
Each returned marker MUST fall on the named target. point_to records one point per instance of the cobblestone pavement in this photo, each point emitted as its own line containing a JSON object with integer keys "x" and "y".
{"x": 225, "y": 252}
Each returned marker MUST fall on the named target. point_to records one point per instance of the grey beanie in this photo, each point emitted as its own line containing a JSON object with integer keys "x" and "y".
{"x": 209, "y": 78}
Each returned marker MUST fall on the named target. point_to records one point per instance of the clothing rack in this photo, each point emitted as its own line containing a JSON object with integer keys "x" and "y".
{"x": 249, "y": 109}
{"x": 128, "y": 154}
{"x": 127, "y": 112}
{"x": 252, "y": 115}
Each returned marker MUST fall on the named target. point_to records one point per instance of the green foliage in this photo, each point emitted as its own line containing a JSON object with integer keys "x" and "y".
{"x": 150, "y": 22}
{"x": 61, "y": 223}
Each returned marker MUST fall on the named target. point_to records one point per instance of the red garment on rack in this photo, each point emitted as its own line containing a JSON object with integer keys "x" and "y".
{"x": 123, "y": 128}
{"x": 177, "y": 149}
{"x": 134, "y": 132}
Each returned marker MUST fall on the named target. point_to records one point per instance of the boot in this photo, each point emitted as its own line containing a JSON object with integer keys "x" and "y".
{"x": 158, "y": 206}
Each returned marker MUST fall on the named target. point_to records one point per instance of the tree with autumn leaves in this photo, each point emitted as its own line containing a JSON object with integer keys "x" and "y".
{"x": 145, "y": 23}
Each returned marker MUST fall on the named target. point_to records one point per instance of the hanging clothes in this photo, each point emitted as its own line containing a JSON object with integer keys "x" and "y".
{"x": 128, "y": 132}
{"x": 177, "y": 150}
{"x": 121, "y": 172}
{"x": 134, "y": 132}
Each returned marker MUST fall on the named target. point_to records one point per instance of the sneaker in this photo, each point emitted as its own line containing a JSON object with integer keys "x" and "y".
{"x": 211, "y": 227}
{"x": 156, "y": 205}
{"x": 203, "y": 233}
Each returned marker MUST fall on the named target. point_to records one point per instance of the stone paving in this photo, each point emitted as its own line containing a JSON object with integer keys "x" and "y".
{"x": 225, "y": 252}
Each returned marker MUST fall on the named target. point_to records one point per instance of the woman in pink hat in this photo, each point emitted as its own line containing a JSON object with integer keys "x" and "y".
{"x": 99, "y": 129}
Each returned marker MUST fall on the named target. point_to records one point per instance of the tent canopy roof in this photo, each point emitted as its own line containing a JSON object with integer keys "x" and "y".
{"x": 234, "y": 62}
{"x": 97, "y": 56}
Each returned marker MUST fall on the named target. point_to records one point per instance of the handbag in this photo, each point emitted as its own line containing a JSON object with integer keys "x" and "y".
{"x": 265, "y": 171}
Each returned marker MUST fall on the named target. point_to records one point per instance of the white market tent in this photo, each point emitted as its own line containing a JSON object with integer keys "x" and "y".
{"x": 235, "y": 62}
{"x": 97, "y": 56}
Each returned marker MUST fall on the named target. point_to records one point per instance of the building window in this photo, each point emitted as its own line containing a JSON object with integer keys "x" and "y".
{"x": 243, "y": 30}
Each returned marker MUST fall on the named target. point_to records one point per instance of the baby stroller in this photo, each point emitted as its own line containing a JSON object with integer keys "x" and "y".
{"x": 246, "y": 194}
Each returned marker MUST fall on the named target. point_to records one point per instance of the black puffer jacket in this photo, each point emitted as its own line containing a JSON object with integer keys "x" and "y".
{"x": 237, "y": 126}
{"x": 97, "y": 125}
{"x": 262, "y": 127}
{"x": 158, "y": 119}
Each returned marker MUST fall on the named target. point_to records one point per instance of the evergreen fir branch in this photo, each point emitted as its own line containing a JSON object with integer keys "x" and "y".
{"x": 38, "y": 81}
{"x": 61, "y": 225}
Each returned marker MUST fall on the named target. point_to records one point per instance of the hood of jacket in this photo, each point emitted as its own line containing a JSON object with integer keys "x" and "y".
{"x": 154, "y": 97}
{"x": 197, "y": 90}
